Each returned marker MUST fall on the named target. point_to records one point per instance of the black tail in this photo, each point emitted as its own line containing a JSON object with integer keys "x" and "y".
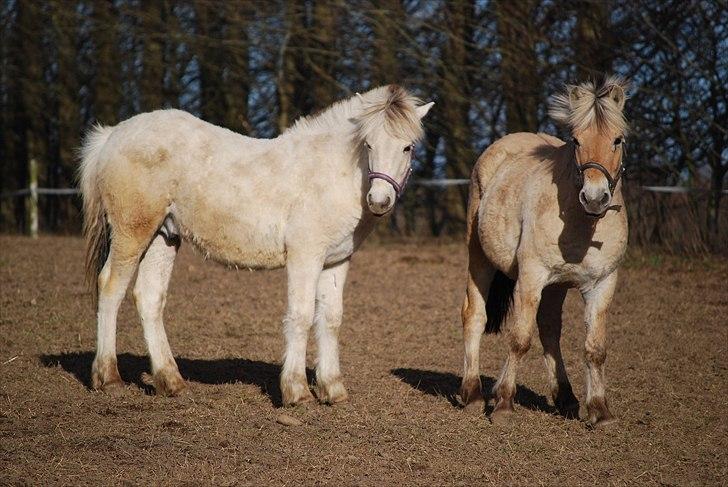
{"x": 500, "y": 299}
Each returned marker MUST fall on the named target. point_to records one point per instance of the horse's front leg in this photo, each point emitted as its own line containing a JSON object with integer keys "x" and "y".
{"x": 518, "y": 332}
{"x": 303, "y": 275}
{"x": 329, "y": 311}
{"x": 597, "y": 301}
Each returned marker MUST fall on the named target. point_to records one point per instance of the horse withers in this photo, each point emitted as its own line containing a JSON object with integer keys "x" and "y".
{"x": 544, "y": 216}
{"x": 304, "y": 200}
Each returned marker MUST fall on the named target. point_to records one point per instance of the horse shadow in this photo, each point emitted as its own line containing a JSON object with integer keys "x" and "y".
{"x": 447, "y": 385}
{"x": 264, "y": 375}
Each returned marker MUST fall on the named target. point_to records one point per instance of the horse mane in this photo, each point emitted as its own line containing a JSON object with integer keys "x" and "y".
{"x": 390, "y": 106}
{"x": 581, "y": 106}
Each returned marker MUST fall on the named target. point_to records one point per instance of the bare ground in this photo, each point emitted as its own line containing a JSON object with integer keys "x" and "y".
{"x": 667, "y": 371}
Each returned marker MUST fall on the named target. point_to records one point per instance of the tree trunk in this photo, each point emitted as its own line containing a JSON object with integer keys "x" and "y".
{"x": 595, "y": 50}
{"x": 454, "y": 114}
{"x": 106, "y": 85}
{"x": 519, "y": 65}
{"x": 152, "y": 78}
{"x": 237, "y": 76}
{"x": 323, "y": 54}
{"x": 387, "y": 19}
{"x": 31, "y": 112}
{"x": 294, "y": 74}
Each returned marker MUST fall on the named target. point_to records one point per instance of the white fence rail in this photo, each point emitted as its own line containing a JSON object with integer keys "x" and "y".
{"x": 34, "y": 191}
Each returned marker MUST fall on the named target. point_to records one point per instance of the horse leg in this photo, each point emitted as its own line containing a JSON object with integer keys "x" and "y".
{"x": 303, "y": 276}
{"x": 480, "y": 275}
{"x": 549, "y": 320}
{"x": 327, "y": 320}
{"x": 150, "y": 294}
{"x": 597, "y": 301}
{"x": 112, "y": 281}
{"x": 519, "y": 330}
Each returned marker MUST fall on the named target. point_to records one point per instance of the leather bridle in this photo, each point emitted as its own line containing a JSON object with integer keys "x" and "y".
{"x": 611, "y": 180}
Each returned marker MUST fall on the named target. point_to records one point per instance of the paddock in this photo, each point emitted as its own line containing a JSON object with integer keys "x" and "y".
{"x": 667, "y": 377}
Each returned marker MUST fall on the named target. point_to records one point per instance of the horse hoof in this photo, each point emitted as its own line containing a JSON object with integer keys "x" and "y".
{"x": 475, "y": 406}
{"x": 105, "y": 376}
{"x": 166, "y": 383}
{"x": 332, "y": 393}
{"x": 502, "y": 416}
{"x": 115, "y": 388}
{"x": 299, "y": 400}
{"x": 295, "y": 393}
{"x": 602, "y": 422}
{"x": 599, "y": 414}
{"x": 502, "y": 412}
{"x": 471, "y": 396}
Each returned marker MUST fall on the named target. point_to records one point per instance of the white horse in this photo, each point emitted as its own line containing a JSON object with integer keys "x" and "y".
{"x": 304, "y": 200}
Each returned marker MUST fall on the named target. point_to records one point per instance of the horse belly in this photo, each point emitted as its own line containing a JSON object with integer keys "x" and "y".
{"x": 237, "y": 238}
{"x": 499, "y": 231}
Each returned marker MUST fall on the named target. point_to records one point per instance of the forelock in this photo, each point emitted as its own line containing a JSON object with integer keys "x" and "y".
{"x": 591, "y": 107}
{"x": 392, "y": 108}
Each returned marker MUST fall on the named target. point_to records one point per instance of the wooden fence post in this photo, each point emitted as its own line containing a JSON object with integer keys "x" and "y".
{"x": 33, "y": 198}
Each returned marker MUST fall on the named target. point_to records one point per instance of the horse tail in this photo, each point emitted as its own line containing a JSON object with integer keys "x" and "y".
{"x": 500, "y": 300}
{"x": 96, "y": 229}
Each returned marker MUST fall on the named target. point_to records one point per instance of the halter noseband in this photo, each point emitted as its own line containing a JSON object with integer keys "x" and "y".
{"x": 611, "y": 180}
{"x": 398, "y": 187}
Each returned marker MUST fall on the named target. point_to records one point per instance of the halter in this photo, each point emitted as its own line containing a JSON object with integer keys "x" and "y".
{"x": 398, "y": 187}
{"x": 611, "y": 180}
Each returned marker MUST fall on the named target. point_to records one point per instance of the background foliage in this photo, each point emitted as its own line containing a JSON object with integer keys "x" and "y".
{"x": 490, "y": 65}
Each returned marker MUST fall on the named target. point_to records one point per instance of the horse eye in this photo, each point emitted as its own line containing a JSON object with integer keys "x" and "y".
{"x": 576, "y": 142}
{"x": 408, "y": 148}
{"x": 618, "y": 141}
{"x": 369, "y": 147}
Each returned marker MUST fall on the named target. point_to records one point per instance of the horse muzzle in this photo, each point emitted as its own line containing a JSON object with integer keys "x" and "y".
{"x": 380, "y": 199}
{"x": 595, "y": 198}
{"x": 384, "y": 191}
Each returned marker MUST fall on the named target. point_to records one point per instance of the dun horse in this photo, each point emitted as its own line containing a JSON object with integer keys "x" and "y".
{"x": 544, "y": 216}
{"x": 304, "y": 200}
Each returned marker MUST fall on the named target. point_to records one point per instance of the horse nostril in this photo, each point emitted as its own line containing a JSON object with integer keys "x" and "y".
{"x": 582, "y": 197}
{"x": 369, "y": 199}
{"x": 605, "y": 198}
{"x": 386, "y": 202}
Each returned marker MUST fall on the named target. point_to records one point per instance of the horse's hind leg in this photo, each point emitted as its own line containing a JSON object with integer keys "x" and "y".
{"x": 549, "y": 328}
{"x": 112, "y": 281}
{"x": 518, "y": 331}
{"x": 480, "y": 275}
{"x": 150, "y": 294}
{"x": 327, "y": 321}
{"x": 597, "y": 301}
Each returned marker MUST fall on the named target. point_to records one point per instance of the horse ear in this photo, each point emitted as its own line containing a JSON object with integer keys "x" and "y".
{"x": 574, "y": 95}
{"x": 423, "y": 109}
{"x": 617, "y": 95}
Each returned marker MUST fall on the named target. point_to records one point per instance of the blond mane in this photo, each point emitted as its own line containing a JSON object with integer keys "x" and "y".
{"x": 390, "y": 106}
{"x": 582, "y": 106}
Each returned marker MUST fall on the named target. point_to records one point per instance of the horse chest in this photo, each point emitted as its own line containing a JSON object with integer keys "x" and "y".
{"x": 584, "y": 257}
{"x": 351, "y": 237}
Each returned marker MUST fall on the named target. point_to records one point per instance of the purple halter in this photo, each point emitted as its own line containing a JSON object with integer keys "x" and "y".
{"x": 398, "y": 187}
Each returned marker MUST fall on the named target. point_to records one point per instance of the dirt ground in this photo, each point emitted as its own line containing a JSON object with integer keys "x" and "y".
{"x": 667, "y": 371}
